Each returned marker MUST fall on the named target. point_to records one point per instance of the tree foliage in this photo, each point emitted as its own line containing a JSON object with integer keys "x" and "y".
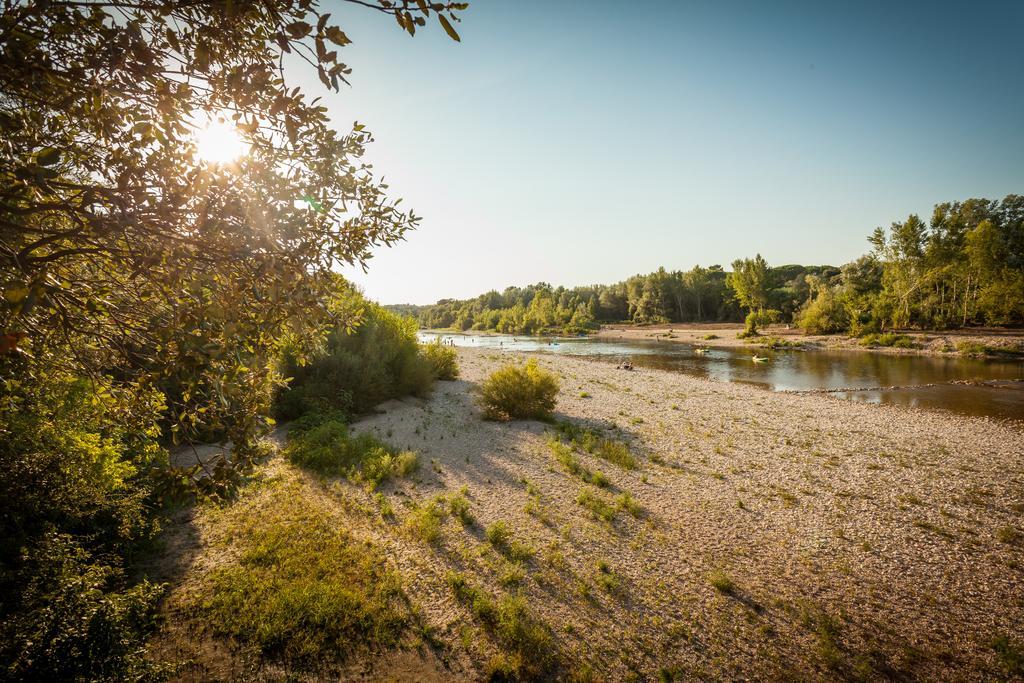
{"x": 964, "y": 268}
{"x": 697, "y": 295}
{"x": 147, "y": 292}
{"x": 122, "y": 250}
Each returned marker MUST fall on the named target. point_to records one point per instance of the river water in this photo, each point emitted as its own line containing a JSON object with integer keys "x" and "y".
{"x": 970, "y": 386}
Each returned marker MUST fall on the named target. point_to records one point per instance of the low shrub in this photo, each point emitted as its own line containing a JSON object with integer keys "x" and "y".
{"x": 77, "y": 621}
{"x": 625, "y": 501}
{"x": 777, "y": 343}
{"x": 721, "y": 582}
{"x": 329, "y": 449}
{"x": 968, "y": 348}
{"x": 77, "y": 464}
{"x": 458, "y": 506}
{"x": 888, "y": 339}
{"x": 499, "y": 535}
{"x": 514, "y": 391}
{"x": 442, "y": 359}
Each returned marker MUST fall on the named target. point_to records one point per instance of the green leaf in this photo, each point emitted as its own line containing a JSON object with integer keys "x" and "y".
{"x": 448, "y": 28}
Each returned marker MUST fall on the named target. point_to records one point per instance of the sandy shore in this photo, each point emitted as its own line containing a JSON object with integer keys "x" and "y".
{"x": 724, "y": 335}
{"x": 883, "y": 523}
{"x": 862, "y": 542}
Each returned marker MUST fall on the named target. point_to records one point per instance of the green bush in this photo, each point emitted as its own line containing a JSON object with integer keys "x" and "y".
{"x": 329, "y": 448}
{"x": 442, "y": 359}
{"x": 889, "y": 339}
{"x": 519, "y": 392}
{"x": 76, "y": 619}
{"x": 825, "y": 314}
{"x": 357, "y": 368}
{"x": 73, "y": 454}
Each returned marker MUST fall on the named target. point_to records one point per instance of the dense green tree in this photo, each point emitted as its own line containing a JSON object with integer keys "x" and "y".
{"x": 749, "y": 282}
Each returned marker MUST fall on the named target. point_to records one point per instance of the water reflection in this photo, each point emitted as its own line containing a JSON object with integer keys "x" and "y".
{"x": 869, "y": 377}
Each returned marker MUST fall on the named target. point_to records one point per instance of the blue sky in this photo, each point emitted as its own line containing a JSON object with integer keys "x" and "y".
{"x": 582, "y": 142}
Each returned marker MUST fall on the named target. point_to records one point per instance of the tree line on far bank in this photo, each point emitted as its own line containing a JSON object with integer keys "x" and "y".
{"x": 964, "y": 267}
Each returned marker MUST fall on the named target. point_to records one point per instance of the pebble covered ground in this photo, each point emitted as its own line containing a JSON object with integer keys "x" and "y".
{"x": 769, "y": 536}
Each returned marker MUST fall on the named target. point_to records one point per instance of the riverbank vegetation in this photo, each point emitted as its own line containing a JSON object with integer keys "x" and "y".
{"x": 154, "y": 293}
{"x": 965, "y": 267}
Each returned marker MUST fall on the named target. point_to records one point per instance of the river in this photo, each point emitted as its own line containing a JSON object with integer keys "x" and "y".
{"x": 970, "y": 386}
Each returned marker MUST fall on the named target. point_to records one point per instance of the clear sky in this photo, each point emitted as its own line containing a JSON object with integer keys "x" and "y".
{"x": 581, "y": 142}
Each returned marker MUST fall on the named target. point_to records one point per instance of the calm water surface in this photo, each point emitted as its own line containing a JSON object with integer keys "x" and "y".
{"x": 932, "y": 382}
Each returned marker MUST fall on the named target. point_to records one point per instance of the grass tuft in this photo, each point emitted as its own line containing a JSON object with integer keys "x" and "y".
{"x": 721, "y": 582}
{"x": 529, "y": 652}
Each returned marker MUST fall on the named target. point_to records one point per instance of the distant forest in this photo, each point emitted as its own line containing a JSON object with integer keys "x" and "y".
{"x": 964, "y": 267}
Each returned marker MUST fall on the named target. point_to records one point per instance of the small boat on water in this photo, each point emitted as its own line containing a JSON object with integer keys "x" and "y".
{"x": 700, "y": 350}
{"x": 759, "y": 359}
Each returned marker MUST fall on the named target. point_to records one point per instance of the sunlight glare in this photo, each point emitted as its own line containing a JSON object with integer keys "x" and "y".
{"x": 219, "y": 142}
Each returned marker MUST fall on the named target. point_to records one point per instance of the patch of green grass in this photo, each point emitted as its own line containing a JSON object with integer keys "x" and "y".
{"x": 531, "y": 488}
{"x": 969, "y": 348}
{"x": 930, "y": 526}
{"x": 565, "y": 455}
{"x": 384, "y": 505}
{"x": 458, "y": 506}
{"x": 499, "y": 535}
{"x": 513, "y": 575}
{"x": 303, "y": 589}
{"x": 827, "y": 630}
{"x": 774, "y": 343}
{"x": 424, "y": 520}
{"x": 330, "y": 449}
{"x": 598, "y": 506}
{"x": 788, "y": 499}
{"x": 625, "y": 501}
{"x": 607, "y": 578}
{"x": 1010, "y": 535}
{"x": 529, "y": 651}
{"x": 591, "y": 441}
